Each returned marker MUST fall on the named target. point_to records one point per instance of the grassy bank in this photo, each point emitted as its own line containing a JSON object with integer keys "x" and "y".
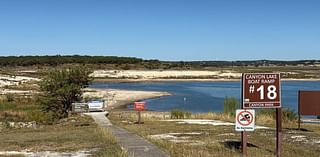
{"x": 189, "y": 140}
{"x": 73, "y": 134}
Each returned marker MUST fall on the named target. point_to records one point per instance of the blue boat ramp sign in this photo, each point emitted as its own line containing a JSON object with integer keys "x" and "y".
{"x": 245, "y": 120}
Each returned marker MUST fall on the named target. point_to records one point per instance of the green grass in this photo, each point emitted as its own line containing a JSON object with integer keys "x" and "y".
{"x": 219, "y": 140}
{"x": 77, "y": 133}
{"x": 67, "y": 135}
{"x": 19, "y": 109}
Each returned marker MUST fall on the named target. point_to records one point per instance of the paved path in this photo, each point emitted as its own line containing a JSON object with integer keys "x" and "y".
{"x": 136, "y": 145}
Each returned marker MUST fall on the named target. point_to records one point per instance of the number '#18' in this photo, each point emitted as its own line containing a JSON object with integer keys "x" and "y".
{"x": 271, "y": 92}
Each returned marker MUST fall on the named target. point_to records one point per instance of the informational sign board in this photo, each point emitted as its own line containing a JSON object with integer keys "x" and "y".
{"x": 245, "y": 120}
{"x": 139, "y": 106}
{"x": 96, "y": 105}
{"x": 309, "y": 103}
{"x": 261, "y": 90}
{"x": 80, "y": 107}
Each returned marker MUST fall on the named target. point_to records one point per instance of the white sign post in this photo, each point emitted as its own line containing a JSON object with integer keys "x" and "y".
{"x": 245, "y": 120}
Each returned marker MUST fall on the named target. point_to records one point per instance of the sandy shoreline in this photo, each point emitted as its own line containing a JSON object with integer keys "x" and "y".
{"x": 184, "y": 80}
{"x": 116, "y": 98}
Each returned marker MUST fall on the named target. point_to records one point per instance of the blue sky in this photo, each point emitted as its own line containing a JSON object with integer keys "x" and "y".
{"x": 163, "y": 29}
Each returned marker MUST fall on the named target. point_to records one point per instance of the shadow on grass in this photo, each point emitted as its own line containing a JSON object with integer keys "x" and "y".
{"x": 236, "y": 145}
{"x": 297, "y": 129}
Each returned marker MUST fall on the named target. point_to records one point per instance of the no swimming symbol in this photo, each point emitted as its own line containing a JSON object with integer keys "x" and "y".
{"x": 245, "y": 118}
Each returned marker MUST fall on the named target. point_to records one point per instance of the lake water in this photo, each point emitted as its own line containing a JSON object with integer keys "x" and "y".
{"x": 205, "y": 96}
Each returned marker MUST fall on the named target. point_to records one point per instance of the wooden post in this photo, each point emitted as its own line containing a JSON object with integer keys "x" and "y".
{"x": 244, "y": 143}
{"x": 279, "y": 131}
{"x": 299, "y": 121}
{"x": 244, "y": 137}
{"x": 139, "y": 117}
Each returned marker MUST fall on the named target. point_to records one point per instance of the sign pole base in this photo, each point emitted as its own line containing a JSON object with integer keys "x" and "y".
{"x": 139, "y": 117}
{"x": 279, "y": 131}
{"x": 244, "y": 143}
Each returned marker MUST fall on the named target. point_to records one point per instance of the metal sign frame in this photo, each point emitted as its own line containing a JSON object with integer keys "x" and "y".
{"x": 244, "y": 134}
{"x": 265, "y": 103}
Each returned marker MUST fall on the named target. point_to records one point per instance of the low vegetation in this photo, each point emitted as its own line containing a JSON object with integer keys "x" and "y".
{"x": 44, "y": 122}
{"x": 72, "y": 134}
{"x": 288, "y": 115}
{"x": 179, "y": 114}
{"x": 188, "y": 140}
{"x": 230, "y": 105}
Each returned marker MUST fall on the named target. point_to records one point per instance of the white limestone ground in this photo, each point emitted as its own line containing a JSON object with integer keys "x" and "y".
{"x": 82, "y": 153}
{"x": 154, "y": 74}
{"x": 179, "y": 137}
{"x": 117, "y": 97}
{"x": 208, "y": 122}
{"x": 186, "y": 137}
{"x": 7, "y": 80}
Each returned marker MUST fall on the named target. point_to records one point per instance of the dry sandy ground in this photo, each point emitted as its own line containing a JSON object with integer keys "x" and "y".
{"x": 46, "y": 154}
{"x": 116, "y": 98}
{"x": 156, "y": 74}
{"x": 8, "y": 80}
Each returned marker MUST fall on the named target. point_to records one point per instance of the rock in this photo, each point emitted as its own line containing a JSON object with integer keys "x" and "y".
{"x": 11, "y": 124}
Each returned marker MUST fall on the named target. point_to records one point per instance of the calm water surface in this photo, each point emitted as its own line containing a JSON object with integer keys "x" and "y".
{"x": 205, "y": 96}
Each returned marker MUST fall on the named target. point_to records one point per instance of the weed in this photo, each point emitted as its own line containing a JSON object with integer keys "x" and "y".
{"x": 179, "y": 114}
{"x": 230, "y": 105}
{"x": 9, "y": 97}
{"x": 288, "y": 115}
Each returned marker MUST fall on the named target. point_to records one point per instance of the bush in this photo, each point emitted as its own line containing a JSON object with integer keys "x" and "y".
{"x": 230, "y": 105}
{"x": 179, "y": 114}
{"x": 287, "y": 114}
{"x": 10, "y": 97}
{"x": 13, "y": 116}
{"x": 42, "y": 117}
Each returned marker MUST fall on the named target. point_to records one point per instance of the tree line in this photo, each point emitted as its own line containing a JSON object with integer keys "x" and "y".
{"x": 58, "y": 60}
{"x": 148, "y": 64}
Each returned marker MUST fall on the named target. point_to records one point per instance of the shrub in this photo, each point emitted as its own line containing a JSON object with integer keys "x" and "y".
{"x": 10, "y": 97}
{"x": 179, "y": 114}
{"x": 230, "y": 105}
{"x": 42, "y": 117}
{"x": 287, "y": 114}
{"x": 14, "y": 116}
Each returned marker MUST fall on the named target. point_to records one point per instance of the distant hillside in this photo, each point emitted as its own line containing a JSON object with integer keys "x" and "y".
{"x": 58, "y": 60}
{"x": 138, "y": 63}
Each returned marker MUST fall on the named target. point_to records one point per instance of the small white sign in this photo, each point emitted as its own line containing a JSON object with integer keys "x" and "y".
{"x": 245, "y": 120}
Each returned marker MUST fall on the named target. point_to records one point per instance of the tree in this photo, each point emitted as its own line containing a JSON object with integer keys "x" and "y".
{"x": 60, "y": 88}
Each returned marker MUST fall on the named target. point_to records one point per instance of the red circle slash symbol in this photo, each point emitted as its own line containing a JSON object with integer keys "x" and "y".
{"x": 245, "y": 118}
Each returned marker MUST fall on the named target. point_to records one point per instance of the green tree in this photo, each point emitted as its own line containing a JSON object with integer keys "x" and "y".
{"x": 60, "y": 88}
